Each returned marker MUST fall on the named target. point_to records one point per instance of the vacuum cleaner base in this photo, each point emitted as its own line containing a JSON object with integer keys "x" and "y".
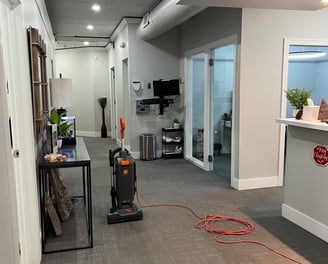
{"x": 124, "y": 215}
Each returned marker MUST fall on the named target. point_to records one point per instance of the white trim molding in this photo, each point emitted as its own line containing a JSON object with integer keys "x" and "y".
{"x": 255, "y": 183}
{"x": 80, "y": 133}
{"x": 313, "y": 226}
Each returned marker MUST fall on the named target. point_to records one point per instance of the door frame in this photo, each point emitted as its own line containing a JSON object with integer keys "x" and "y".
{"x": 284, "y": 86}
{"x": 113, "y": 103}
{"x": 208, "y": 102}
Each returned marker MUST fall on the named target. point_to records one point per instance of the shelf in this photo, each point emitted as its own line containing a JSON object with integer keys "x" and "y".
{"x": 169, "y": 155}
{"x": 171, "y": 129}
{"x": 172, "y": 142}
{"x": 169, "y": 149}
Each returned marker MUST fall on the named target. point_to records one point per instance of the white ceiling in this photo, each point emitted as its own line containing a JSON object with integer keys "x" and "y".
{"x": 69, "y": 18}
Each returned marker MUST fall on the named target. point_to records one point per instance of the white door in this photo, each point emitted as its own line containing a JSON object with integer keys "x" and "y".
{"x": 9, "y": 247}
{"x": 222, "y": 87}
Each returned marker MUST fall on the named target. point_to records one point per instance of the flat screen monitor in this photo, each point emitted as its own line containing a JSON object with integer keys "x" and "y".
{"x": 166, "y": 87}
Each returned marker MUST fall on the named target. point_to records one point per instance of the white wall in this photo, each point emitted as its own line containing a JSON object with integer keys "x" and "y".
{"x": 116, "y": 56}
{"x": 13, "y": 29}
{"x": 309, "y": 75}
{"x": 89, "y": 71}
{"x": 9, "y": 251}
{"x": 148, "y": 61}
{"x": 263, "y": 32}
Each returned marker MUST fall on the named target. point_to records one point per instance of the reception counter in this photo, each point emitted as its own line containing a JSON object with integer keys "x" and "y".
{"x": 306, "y": 175}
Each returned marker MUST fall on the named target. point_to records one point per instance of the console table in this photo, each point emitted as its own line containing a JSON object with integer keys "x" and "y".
{"x": 77, "y": 156}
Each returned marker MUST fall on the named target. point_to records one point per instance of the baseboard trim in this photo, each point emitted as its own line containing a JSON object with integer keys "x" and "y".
{"x": 136, "y": 155}
{"x": 80, "y": 133}
{"x": 255, "y": 183}
{"x": 308, "y": 223}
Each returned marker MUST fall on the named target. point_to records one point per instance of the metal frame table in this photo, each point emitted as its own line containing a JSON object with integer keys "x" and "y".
{"x": 77, "y": 156}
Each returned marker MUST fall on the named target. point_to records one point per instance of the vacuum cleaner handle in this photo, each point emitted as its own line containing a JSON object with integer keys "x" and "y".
{"x": 122, "y": 123}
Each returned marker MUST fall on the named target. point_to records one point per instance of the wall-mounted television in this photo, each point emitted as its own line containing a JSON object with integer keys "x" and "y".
{"x": 166, "y": 87}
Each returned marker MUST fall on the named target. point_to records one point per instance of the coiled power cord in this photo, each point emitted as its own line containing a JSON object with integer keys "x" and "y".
{"x": 208, "y": 222}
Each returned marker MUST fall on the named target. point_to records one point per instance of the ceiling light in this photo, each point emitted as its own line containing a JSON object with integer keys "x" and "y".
{"x": 96, "y": 7}
{"x": 310, "y": 54}
{"x": 86, "y": 43}
{"x": 90, "y": 27}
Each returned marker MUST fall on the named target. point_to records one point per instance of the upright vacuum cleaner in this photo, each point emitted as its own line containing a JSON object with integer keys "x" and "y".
{"x": 123, "y": 186}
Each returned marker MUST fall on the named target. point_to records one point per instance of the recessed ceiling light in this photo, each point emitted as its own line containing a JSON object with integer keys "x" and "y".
{"x": 324, "y": 1}
{"x": 90, "y": 27}
{"x": 96, "y": 7}
{"x": 86, "y": 43}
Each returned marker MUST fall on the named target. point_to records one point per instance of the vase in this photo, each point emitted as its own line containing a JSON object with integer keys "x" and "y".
{"x": 103, "y": 102}
{"x": 297, "y": 113}
{"x": 294, "y": 112}
{"x": 59, "y": 143}
{"x": 176, "y": 125}
{"x": 103, "y": 126}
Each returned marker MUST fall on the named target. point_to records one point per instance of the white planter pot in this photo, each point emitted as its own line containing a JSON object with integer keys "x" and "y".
{"x": 176, "y": 125}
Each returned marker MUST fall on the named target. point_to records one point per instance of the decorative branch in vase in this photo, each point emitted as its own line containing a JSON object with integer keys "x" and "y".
{"x": 103, "y": 102}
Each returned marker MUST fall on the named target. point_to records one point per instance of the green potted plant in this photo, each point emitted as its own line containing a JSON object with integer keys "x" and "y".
{"x": 62, "y": 126}
{"x": 176, "y": 123}
{"x": 298, "y": 98}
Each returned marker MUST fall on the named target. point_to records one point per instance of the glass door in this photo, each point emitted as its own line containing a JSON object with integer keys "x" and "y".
{"x": 222, "y": 85}
{"x": 209, "y": 89}
{"x": 197, "y": 126}
{"x": 197, "y": 73}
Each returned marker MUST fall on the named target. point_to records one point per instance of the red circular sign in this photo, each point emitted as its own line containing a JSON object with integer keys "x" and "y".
{"x": 320, "y": 155}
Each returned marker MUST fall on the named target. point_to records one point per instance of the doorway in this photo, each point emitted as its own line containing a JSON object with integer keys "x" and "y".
{"x": 210, "y": 84}
{"x": 114, "y": 106}
{"x": 125, "y": 108}
{"x": 222, "y": 78}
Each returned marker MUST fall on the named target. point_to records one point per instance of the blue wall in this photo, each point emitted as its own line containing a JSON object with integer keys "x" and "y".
{"x": 308, "y": 75}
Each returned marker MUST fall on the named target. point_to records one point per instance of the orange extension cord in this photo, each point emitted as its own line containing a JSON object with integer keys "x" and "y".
{"x": 208, "y": 223}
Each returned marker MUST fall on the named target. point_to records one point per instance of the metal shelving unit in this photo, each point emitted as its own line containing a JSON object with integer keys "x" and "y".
{"x": 172, "y": 143}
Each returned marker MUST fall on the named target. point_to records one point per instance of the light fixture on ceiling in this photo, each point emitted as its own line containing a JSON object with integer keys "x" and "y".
{"x": 95, "y": 7}
{"x": 90, "y": 27}
{"x": 86, "y": 43}
{"x": 306, "y": 54}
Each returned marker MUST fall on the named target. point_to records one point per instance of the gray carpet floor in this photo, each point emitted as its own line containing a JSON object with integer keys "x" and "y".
{"x": 167, "y": 235}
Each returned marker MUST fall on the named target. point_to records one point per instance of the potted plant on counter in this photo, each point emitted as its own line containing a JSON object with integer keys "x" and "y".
{"x": 298, "y": 98}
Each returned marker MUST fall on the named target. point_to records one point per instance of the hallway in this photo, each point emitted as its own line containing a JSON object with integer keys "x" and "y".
{"x": 166, "y": 234}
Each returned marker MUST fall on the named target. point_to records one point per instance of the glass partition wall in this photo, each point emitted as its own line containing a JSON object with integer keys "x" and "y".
{"x": 209, "y": 93}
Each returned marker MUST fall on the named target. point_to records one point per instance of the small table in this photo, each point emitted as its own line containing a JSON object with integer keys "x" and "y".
{"x": 77, "y": 156}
